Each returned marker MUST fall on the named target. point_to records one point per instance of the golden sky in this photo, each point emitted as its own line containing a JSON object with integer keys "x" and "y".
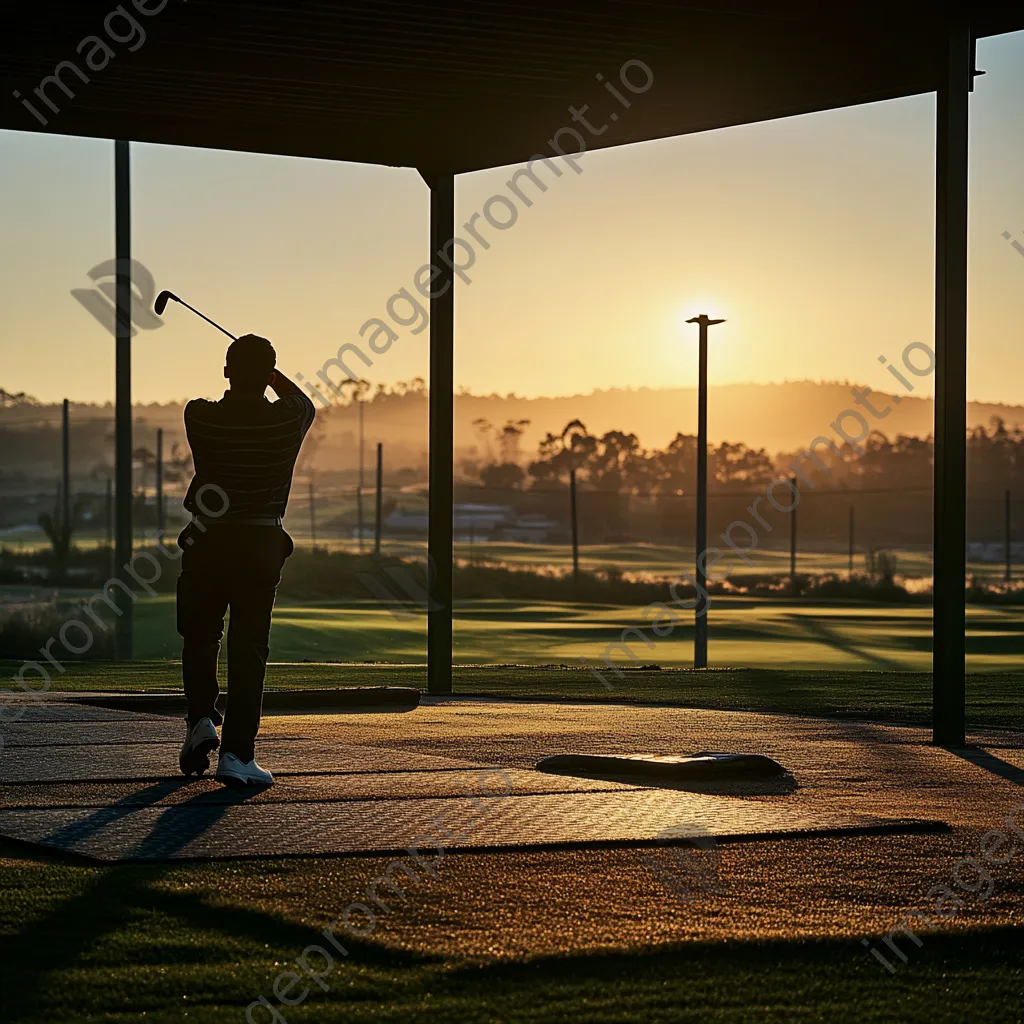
{"x": 812, "y": 235}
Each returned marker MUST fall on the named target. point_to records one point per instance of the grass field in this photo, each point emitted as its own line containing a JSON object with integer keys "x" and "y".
{"x": 744, "y": 633}
{"x": 634, "y": 558}
{"x": 665, "y": 560}
{"x": 994, "y": 699}
{"x": 777, "y": 653}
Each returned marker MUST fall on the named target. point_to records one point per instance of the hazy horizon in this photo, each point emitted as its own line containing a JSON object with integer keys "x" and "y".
{"x": 812, "y": 235}
{"x": 463, "y": 392}
{"x": 778, "y": 417}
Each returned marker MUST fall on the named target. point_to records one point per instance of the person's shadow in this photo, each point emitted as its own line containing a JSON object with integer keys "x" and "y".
{"x": 102, "y": 833}
{"x": 115, "y": 901}
{"x": 181, "y": 824}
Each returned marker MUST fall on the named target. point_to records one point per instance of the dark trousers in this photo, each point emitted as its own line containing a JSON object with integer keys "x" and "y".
{"x": 236, "y": 567}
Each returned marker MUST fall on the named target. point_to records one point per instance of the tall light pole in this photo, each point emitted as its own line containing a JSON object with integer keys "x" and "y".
{"x": 65, "y": 460}
{"x": 359, "y": 486}
{"x": 160, "y": 523}
{"x": 358, "y": 387}
{"x": 312, "y": 513}
{"x": 1007, "y": 534}
{"x": 851, "y": 542}
{"x": 700, "y": 625}
{"x": 378, "y": 520}
{"x": 574, "y": 425}
{"x": 792, "y": 538}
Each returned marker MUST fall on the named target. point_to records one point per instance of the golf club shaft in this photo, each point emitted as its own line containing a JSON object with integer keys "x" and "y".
{"x": 207, "y": 319}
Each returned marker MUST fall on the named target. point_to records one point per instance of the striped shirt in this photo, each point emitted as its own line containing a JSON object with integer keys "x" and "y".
{"x": 247, "y": 447}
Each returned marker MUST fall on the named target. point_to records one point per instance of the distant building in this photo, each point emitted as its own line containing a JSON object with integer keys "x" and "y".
{"x": 400, "y": 520}
{"x": 478, "y": 522}
{"x": 531, "y": 528}
{"x": 994, "y": 551}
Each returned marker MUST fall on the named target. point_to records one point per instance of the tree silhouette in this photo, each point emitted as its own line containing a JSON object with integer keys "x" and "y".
{"x": 734, "y": 466}
{"x": 501, "y": 470}
{"x": 12, "y": 399}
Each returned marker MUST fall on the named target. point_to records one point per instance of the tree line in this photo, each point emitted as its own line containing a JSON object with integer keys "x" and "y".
{"x": 617, "y": 462}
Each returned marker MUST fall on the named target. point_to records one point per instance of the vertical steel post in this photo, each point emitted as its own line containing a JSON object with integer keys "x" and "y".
{"x": 441, "y": 399}
{"x": 851, "y": 541}
{"x": 949, "y": 517}
{"x": 1007, "y": 536}
{"x": 378, "y": 522}
{"x": 160, "y": 523}
{"x": 792, "y": 536}
{"x": 65, "y": 469}
{"x": 124, "y": 628}
{"x": 312, "y": 515}
{"x": 575, "y": 527}
{"x": 110, "y": 526}
{"x": 359, "y": 486}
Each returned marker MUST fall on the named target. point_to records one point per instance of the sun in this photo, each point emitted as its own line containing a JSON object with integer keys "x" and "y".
{"x": 726, "y": 353}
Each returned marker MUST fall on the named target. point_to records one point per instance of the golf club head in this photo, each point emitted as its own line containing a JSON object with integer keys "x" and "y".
{"x": 161, "y": 302}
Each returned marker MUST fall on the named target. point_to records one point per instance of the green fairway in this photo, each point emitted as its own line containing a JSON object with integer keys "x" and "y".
{"x": 633, "y": 559}
{"x": 664, "y": 561}
{"x": 744, "y": 633}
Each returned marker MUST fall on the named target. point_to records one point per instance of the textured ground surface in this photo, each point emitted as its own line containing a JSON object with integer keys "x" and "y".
{"x": 451, "y": 774}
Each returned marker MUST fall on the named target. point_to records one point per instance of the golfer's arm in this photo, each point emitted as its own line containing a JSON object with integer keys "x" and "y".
{"x": 283, "y": 387}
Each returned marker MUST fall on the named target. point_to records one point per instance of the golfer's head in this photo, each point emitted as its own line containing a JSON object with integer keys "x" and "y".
{"x": 250, "y": 362}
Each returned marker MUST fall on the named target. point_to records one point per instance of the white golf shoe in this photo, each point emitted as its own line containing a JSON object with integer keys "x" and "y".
{"x": 234, "y": 772}
{"x": 200, "y": 741}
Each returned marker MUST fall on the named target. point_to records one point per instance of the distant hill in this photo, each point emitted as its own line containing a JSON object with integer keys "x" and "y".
{"x": 778, "y": 417}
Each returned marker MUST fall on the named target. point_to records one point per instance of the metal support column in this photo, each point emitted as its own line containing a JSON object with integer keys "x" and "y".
{"x": 949, "y": 536}
{"x": 442, "y": 398}
{"x": 123, "y": 397}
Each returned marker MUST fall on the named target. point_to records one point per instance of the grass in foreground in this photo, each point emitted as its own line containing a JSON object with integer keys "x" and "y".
{"x": 201, "y": 942}
{"x": 994, "y": 699}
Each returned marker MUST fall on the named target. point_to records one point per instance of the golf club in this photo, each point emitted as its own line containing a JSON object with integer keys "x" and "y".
{"x": 161, "y": 304}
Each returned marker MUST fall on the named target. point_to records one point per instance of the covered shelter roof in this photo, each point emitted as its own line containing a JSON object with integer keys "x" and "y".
{"x": 458, "y": 85}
